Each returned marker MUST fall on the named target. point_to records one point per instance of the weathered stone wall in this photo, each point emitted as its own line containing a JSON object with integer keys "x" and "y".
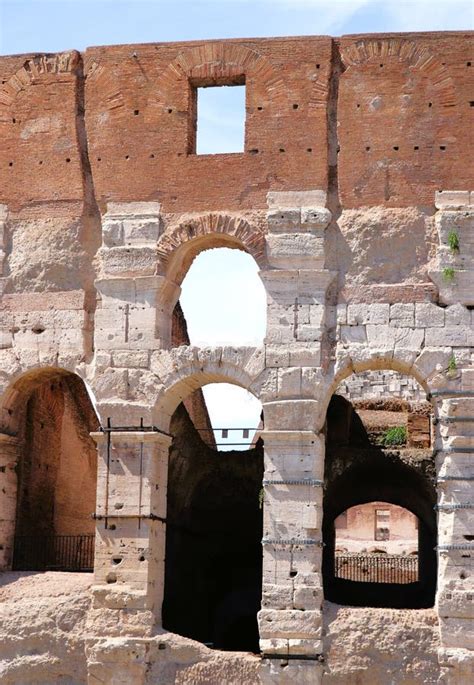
{"x": 354, "y": 196}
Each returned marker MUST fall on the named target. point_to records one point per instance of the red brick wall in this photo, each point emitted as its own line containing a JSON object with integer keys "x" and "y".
{"x": 139, "y": 111}
{"x": 38, "y": 133}
{"x": 405, "y": 120}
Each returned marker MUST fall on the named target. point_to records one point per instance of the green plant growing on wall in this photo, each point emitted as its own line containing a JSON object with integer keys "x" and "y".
{"x": 453, "y": 241}
{"x": 448, "y": 274}
{"x": 261, "y": 498}
{"x": 397, "y": 435}
{"x": 452, "y": 366}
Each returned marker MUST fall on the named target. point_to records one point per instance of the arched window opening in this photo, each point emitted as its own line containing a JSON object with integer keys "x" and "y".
{"x": 223, "y": 301}
{"x": 379, "y": 523}
{"x": 213, "y": 566}
{"x": 376, "y": 542}
{"x": 57, "y": 476}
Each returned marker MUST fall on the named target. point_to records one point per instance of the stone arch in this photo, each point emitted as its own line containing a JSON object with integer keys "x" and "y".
{"x": 182, "y": 242}
{"x": 416, "y": 56}
{"x": 50, "y": 470}
{"x": 215, "y": 62}
{"x": 185, "y": 370}
{"x": 357, "y": 471}
{"x": 23, "y": 385}
{"x": 64, "y": 62}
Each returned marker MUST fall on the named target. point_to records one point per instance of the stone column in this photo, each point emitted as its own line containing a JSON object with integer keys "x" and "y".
{"x": 290, "y": 620}
{"x": 9, "y": 456}
{"x": 130, "y": 534}
{"x": 136, "y": 305}
{"x": 455, "y": 595}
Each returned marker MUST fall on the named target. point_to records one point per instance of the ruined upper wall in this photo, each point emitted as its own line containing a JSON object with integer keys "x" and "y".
{"x": 403, "y": 105}
{"x": 405, "y": 115}
{"x": 40, "y": 154}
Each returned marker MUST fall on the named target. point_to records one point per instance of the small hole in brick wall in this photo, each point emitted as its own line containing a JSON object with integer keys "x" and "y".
{"x": 381, "y": 65}
{"x": 318, "y": 66}
{"x": 416, "y": 147}
{"x": 161, "y": 646}
{"x": 127, "y": 156}
{"x": 462, "y": 575}
{"x": 112, "y": 526}
{"x": 110, "y": 578}
{"x": 468, "y": 64}
{"x": 68, "y": 159}
{"x": 284, "y": 664}
{"x": 99, "y": 159}
{"x": 309, "y": 149}
{"x": 260, "y": 109}
{"x": 152, "y": 156}
{"x": 395, "y": 147}
{"x": 254, "y": 151}
{"x": 118, "y": 505}
{"x": 442, "y": 147}
{"x": 38, "y": 330}
{"x": 136, "y": 112}
{"x": 117, "y": 560}
{"x": 10, "y": 163}
{"x": 470, "y": 538}
{"x": 471, "y": 103}
{"x": 170, "y": 111}
{"x": 40, "y": 162}
{"x": 367, "y": 148}
{"x": 141, "y": 558}
{"x": 14, "y": 120}
{"x": 466, "y": 556}
{"x": 282, "y": 149}
{"x": 293, "y": 574}
{"x": 358, "y": 104}
{"x": 2, "y": 469}
{"x": 295, "y": 106}
{"x": 430, "y": 104}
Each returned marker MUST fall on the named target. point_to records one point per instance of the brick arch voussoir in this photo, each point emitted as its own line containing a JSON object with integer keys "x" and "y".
{"x": 245, "y": 236}
{"x": 61, "y": 63}
{"x": 217, "y": 61}
{"x": 417, "y": 57}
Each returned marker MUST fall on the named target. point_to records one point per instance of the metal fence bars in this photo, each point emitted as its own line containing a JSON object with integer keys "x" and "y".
{"x": 377, "y": 568}
{"x": 54, "y": 553}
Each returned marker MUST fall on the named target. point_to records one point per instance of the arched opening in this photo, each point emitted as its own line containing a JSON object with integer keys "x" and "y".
{"x": 223, "y": 301}
{"x": 51, "y": 414}
{"x": 213, "y": 566}
{"x": 379, "y": 468}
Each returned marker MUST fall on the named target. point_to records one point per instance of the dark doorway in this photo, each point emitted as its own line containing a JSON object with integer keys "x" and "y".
{"x": 213, "y": 567}
{"x": 358, "y": 472}
{"x": 57, "y": 476}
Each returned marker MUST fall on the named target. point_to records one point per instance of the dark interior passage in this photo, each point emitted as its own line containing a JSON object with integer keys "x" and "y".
{"x": 357, "y": 471}
{"x": 213, "y": 571}
{"x": 57, "y": 475}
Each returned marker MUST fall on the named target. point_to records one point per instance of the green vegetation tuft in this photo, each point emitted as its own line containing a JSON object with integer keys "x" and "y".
{"x": 397, "y": 435}
{"x": 452, "y": 366}
{"x": 453, "y": 241}
{"x": 261, "y": 498}
{"x": 448, "y": 274}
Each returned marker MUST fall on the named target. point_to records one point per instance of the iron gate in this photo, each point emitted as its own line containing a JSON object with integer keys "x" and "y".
{"x": 377, "y": 568}
{"x": 54, "y": 553}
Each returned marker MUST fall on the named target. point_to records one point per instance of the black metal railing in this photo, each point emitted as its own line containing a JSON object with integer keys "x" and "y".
{"x": 53, "y": 553}
{"x": 377, "y": 568}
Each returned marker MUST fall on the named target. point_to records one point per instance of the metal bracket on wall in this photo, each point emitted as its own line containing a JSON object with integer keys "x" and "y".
{"x": 295, "y": 657}
{"x": 448, "y": 506}
{"x": 292, "y": 541}
{"x": 293, "y": 481}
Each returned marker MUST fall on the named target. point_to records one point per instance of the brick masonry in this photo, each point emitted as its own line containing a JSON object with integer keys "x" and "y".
{"x": 355, "y": 176}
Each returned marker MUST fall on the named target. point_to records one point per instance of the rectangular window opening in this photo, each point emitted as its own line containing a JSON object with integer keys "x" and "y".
{"x": 220, "y": 120}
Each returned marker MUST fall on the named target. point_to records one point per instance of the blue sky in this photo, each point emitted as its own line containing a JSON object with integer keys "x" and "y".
{"x": 54, "y": 25}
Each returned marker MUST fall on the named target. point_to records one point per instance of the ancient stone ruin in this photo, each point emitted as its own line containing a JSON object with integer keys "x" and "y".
{"x": 353, "y": 195}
